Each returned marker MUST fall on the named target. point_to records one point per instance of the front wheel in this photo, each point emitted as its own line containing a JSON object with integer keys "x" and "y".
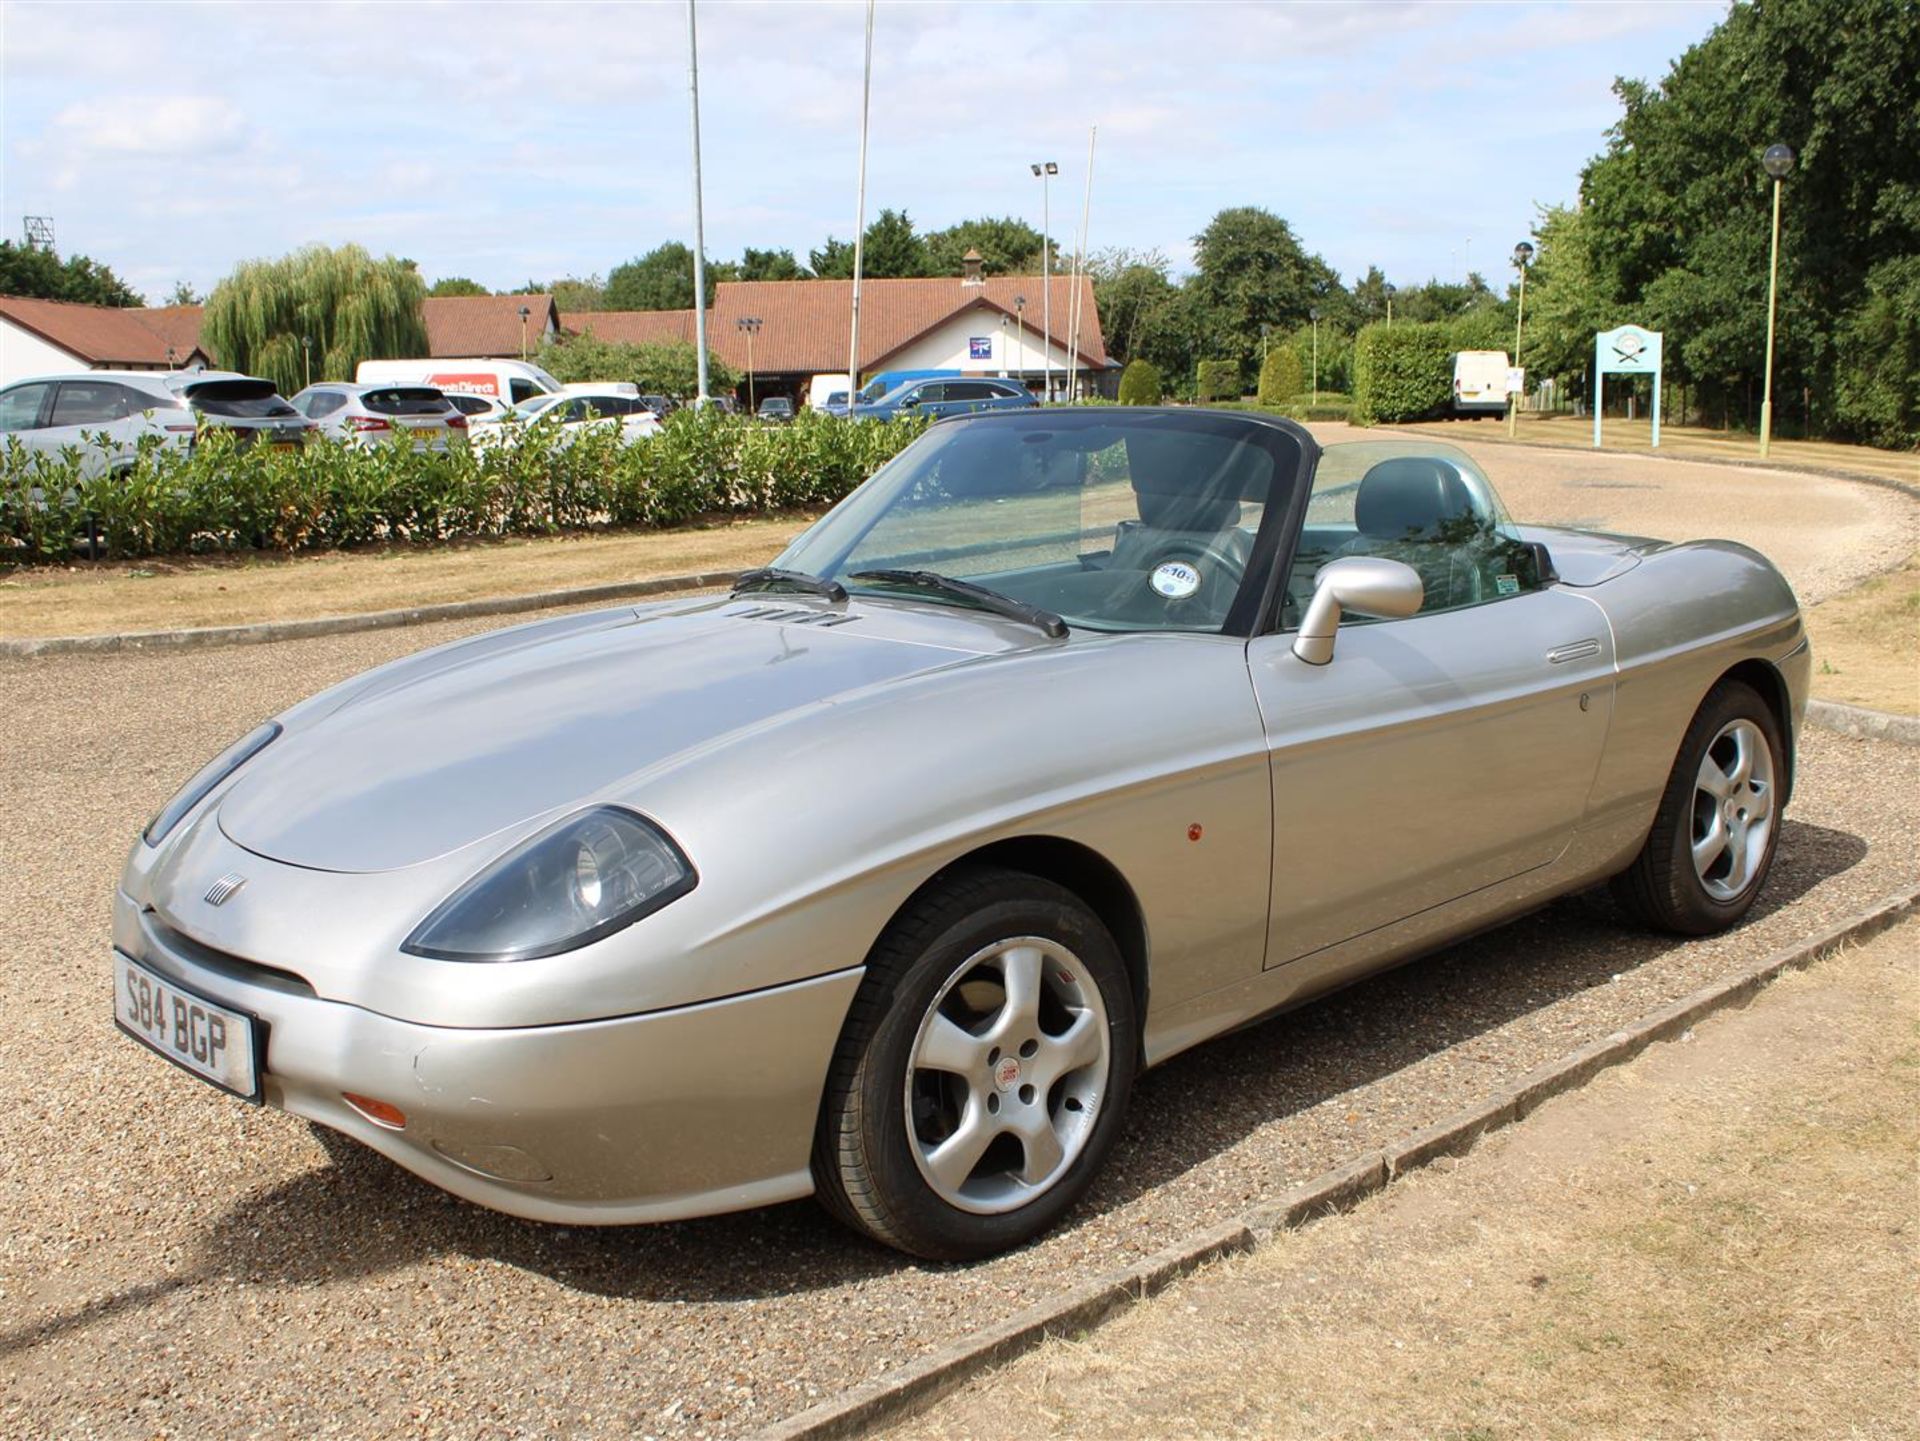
{"x": 983, "y": 1072}
{"x": 1714, "y": 835}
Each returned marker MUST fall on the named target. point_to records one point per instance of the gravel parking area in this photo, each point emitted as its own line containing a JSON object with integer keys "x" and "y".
{"x": 175, "y": 1261}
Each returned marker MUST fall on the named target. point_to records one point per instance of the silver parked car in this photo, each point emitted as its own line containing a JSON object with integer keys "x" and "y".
{"x": 105, "y": 415}
{"x": 1069, "y": 740}
{"x": 370, "y": 415}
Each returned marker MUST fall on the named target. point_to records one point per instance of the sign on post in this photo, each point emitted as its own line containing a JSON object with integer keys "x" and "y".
{"x": 1625, "y": 350}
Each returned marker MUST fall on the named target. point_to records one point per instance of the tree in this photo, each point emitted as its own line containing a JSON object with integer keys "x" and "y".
{"x": 833, "y": 260}
{"x": 667, "y": 367}
{"x": 1681, "y": 207}
{"x": 1570, "y": 298}
{"x": 769, "y": 265}
{"x": 1143, "y": 314}
{"x": 1007, "y": 246}
{"x": 1250, "y": 270}
{"x": 185, "y": 294}
{"x": 350, "y": 305}
{"x": 662, "y": 279}
{"x": 892, "y": 250}
{"x": 30, "y": 271}
{"x": 460, "y": 285}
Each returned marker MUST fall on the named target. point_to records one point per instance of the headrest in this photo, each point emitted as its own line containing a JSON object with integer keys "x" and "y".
{"x": 1412, "y": 497}
{"x": 1181, "y": 485}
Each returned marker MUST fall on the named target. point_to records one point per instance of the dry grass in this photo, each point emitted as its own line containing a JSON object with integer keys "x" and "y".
{"x": 1718, "y": 1240}
{"x": 1637, "y": 435}
{"x": 155, "y": 595}
{"x": 1866, "y": 643}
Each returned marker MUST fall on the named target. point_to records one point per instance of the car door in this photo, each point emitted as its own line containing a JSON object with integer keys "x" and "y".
{"x": 929, "y": 400}
{"x": 1434, "y": 758}
{"x": 94, "y": 417}
{"x": 23, "y": 408}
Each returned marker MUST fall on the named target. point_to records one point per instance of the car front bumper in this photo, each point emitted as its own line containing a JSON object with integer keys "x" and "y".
{"x": 685, "y": 1112}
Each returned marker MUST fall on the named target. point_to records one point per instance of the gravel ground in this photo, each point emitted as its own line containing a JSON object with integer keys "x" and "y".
{"x": 175, "y": 1261}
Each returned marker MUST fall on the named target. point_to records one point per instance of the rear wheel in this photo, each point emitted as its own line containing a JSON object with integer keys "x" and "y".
{"x": 983, "y": 1071}
{"x": 1714, "y": 835}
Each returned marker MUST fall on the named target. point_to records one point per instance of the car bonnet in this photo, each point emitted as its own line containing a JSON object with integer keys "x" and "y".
{"x": 446, "y": 755}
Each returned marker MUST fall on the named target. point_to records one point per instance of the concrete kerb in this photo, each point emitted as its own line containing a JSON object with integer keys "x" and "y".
{"x": 277, "y": 630}
{"x": 1858, "y": 721}
{"x": 909, "y": 1387}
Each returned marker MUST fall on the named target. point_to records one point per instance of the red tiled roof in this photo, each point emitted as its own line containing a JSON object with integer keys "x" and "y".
{"x": 104, "y": 335}
{"x": 472, "y": 326}
{"x": 631, "y": 327}
{"x": 804, "y": 322}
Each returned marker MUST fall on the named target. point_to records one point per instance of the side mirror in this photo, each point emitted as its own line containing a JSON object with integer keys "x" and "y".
{"x": 1363, "y": 583}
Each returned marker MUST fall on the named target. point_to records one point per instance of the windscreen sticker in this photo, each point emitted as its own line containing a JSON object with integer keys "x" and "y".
{"x": 1175, "y": 579}
{"x": 1507, "y": 584}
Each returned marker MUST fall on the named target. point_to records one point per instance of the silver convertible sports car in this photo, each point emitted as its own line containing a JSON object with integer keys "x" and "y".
{"x": 1069, "y": 740}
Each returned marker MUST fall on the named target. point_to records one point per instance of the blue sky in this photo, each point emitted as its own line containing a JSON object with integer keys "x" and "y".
{"x": 507, "y": 141}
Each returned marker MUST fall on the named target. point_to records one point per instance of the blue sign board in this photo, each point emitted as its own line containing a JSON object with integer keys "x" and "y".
{"x": 980, "y": 347}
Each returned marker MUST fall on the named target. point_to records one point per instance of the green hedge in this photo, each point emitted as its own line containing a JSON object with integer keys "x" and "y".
{"x": 1217, "y": 380}
{"x": 1405, "y": 372}
{"x": 326, "y": 495}
{"x": 1402, "y": 372}
{"x": 1280, "y": 375}
{"x": 1140, "y": 383}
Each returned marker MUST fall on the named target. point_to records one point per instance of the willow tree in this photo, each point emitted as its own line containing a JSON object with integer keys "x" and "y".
{"x": 330, "y": 308}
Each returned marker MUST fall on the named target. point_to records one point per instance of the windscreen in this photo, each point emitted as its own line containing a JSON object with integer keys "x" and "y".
{"x": 240, "y": 399}
{"x": 405, "y": 400}
{"x": 1148, "y": 522}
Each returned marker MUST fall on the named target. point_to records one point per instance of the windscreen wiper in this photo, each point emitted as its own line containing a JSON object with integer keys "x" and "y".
{"x": 977, "y": 595}
{"x": 769, "y": 577}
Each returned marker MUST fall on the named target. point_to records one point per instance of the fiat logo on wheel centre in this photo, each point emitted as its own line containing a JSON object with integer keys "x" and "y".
{"x": 1006, "y": 1075}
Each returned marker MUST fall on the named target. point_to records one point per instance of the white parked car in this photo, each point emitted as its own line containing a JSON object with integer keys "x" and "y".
{"x": 373, "y": 415}
{"x": 480, "y": 410}
{"x": 1480, "y": 382}
{"x": 576, "y": 413}
{"x": 104, "y": 415}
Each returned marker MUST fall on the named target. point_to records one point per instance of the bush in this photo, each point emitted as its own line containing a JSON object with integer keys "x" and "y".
{"x": 1280, "y": 375}
{"x": 215, "y": 498}
{"x": 1140, "y": 383}
{"x": 1217, "y": 380}
{"x": 1402, "y": 372}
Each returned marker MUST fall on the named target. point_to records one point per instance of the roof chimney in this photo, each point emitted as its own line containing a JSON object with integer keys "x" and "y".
{"x": 970, "y": 268}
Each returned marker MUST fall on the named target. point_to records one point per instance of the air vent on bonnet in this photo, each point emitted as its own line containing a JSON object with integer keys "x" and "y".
{"x": 789, "y": 615}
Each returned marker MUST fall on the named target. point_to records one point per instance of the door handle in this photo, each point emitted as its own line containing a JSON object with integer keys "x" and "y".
{"x": 1573, "y": 650}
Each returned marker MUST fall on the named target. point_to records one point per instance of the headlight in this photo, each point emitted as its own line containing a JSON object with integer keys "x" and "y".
{"x": 211, "y": 774}
{"x": 584, "y": 878}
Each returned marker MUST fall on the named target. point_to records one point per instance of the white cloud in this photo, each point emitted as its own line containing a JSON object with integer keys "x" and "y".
{"x": 153, "y": 125}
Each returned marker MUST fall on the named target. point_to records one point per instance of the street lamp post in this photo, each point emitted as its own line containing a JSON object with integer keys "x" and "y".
{"x": 306, "y": 352}
{"x": 1020, "y": 333}
{"x": 524, "y": 313}
{"x": 1046, "y": 170}
{"x": 1777, "y": 162}
{"x": 1522, "y": 254}
{"x": 749, "y": 326}
{"x": 1389, "y": 293}
{"x": 1265, "y": 331}
{"x": 1314, "y": 316}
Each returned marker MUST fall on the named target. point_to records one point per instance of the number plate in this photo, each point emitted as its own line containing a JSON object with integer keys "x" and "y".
{"x": 216, "y": 1044}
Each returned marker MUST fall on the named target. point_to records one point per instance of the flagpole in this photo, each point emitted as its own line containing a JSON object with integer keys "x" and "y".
{"x": 860, "y": 222}
{"x": 699, "y": 218}
{"x": 1079, "y": 274}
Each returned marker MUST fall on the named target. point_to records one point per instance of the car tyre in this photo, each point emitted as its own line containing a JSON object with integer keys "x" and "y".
{"x": 1714, "y": 835}
{"x": 983, "y": 1072}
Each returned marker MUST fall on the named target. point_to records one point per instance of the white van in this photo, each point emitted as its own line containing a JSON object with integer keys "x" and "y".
{"x": 823, "y": 387}
{"x": 511, "y": 381}
{"x": 1480, "y": 382}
